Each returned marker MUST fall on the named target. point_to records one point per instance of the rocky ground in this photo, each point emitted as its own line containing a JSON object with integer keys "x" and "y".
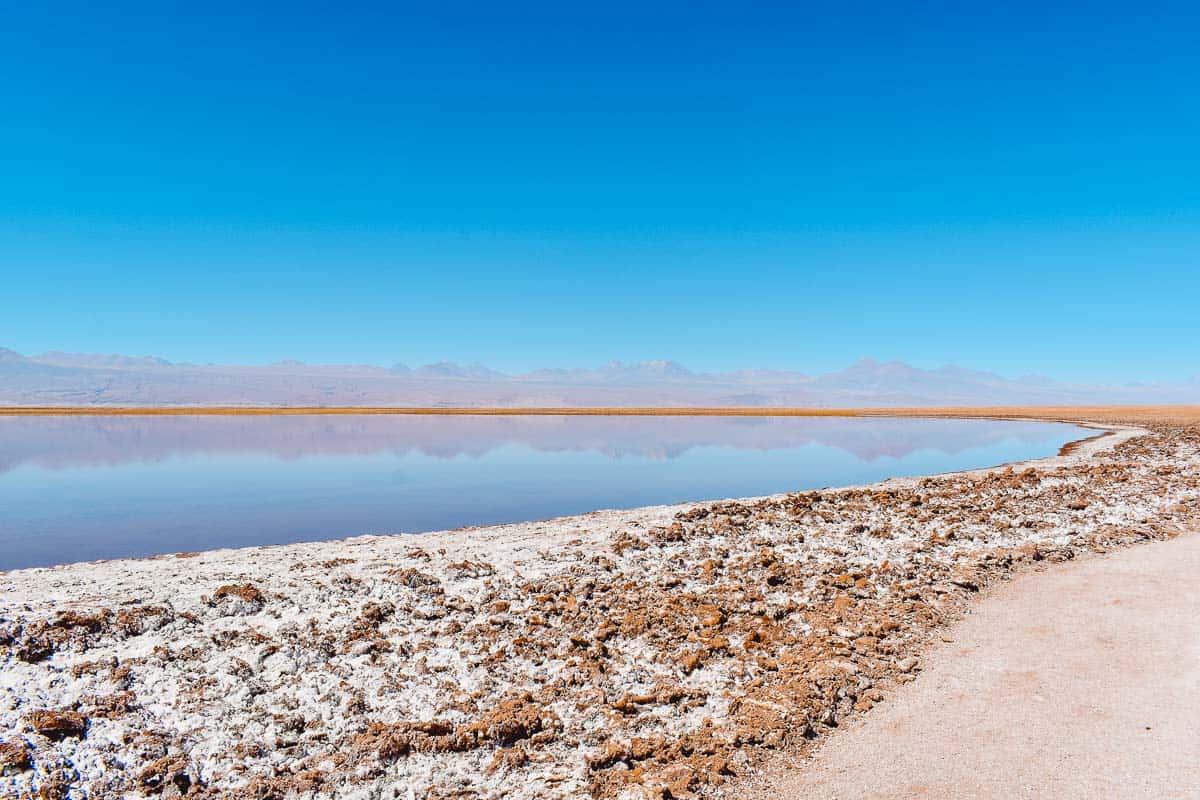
{"x": 648, "y": 653}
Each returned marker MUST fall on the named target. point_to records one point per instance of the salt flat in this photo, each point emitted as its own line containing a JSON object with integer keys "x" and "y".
{"x": 655, "y": 652}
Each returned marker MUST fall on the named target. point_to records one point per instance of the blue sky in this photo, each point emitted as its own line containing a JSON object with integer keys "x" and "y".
{"x": 1010, "y": 187}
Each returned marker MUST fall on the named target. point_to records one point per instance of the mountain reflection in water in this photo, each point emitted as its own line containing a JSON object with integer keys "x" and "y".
{"x": 75, "y": 441}
{"x": 75, "y": 488}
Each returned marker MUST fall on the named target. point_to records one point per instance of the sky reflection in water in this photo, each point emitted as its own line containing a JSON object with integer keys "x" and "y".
{"x": 82, "y": 488}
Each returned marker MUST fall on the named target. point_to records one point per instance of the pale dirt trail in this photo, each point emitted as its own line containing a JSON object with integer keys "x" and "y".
{"x": 1082, "y": 681}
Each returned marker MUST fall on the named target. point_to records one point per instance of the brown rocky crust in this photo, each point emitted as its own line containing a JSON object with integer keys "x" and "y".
{"x": 57, "y": 724}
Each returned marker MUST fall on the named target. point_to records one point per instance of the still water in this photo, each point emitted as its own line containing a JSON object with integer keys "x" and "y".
{"x": 83, "y": 488}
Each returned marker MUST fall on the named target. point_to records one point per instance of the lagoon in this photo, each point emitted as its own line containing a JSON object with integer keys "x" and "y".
{"x": 98, "y": 487}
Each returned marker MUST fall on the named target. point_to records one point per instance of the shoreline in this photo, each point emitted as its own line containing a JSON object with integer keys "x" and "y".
{"x": 566, "y": 411}
{"x": 616, "y": 654}
{"x": 1082, "y": 447}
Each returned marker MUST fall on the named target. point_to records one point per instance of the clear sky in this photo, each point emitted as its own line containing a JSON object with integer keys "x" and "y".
{"x": 795, "y": 185}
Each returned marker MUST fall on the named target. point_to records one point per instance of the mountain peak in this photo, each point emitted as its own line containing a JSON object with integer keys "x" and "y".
{"x": 450, "y": 369}
{"x": 100, "y": 360}
{"x": 656, "y": 367}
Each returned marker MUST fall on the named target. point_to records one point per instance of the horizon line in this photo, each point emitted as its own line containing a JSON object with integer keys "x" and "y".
{"x": 1005, "y": 411}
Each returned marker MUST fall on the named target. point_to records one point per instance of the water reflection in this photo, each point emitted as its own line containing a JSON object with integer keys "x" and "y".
{"x": 78, "y": 488}
{"x": 57, "y": 442}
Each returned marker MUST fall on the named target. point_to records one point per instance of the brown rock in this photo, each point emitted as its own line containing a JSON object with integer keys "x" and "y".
{"x": 966, "y": 579}
{"x": 92, "y": 622}
{"x": 415, "y": 579}
{"x": 680, "y": 779}
{"x": 58, "y": 724}
{"x": 1059, "y": 554}
{"x": 168, "y": 771}
{"x": 14, "y": 757}
{"x": 245, "y": 591}
{"x": 717, "y": 644}
{"x": 709, "y": 616}
{"x": 513, "y": 720}
{"x": 111, "y": 706}
{"x": 508, "y": 758}
{"x": 866, "y": 644}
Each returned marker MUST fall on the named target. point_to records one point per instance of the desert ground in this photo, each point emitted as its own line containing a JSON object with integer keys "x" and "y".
{"x": 673, "y": 651}
{"x": 1073, "y": 684}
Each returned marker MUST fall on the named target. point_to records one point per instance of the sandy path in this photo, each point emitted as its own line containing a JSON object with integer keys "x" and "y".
{"x": 1079, "y": 682}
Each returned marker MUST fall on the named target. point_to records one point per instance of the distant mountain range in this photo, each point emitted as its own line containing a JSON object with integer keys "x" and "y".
{"x": 73, "y": 379}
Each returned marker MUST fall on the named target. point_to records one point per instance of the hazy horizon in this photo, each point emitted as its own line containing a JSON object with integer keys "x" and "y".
{"x": 79, "y": 379}
{"x": 666, "y": 367}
